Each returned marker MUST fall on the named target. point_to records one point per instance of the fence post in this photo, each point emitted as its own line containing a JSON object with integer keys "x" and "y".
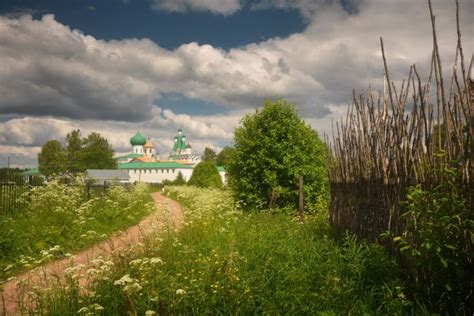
{"x": 301, "y": 199}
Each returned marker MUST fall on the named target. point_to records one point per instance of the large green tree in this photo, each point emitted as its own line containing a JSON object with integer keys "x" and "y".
{"x": 209, "y": 155}
{"x": 205, "y": 175}
{"x": 73, "y": 151}
{"x": 52, "y": 158}
{"x": 224, "y": 156}
{"x": 272, "y": 149}
{"x": 97, "y": 153}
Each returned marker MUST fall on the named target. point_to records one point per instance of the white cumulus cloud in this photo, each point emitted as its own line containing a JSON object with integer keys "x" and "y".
{"x": 224, "y": 7}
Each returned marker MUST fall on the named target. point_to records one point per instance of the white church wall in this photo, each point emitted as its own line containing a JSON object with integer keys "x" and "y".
{"x": 223, "y": 177}
{"x": 157, "y": 175}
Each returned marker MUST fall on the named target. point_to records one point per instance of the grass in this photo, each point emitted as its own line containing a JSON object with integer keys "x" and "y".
{"x": 223, "y": 261}
{"x": 59, "y": 220}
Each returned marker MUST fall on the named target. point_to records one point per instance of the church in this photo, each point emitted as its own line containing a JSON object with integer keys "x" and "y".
{"x": 144, "y": 163}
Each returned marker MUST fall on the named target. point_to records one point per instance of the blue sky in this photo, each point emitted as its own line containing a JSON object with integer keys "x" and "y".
{"x": 117, "y": 19}
{"x": 119, "y": 66}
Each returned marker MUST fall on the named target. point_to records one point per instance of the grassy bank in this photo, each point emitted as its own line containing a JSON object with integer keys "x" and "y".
{"x": 226, "y": 262}
{"x": 59, "y": 220}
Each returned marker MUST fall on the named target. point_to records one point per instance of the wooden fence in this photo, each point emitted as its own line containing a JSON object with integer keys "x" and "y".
{"x": 394, "y": 139}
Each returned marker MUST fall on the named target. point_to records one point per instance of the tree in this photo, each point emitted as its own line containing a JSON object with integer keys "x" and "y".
{"x": 209, "y": 155}
{"x": 272, "y": 149}
{"x": 97, "y": 153}
{"x": 179, "y": 179}
{"x": 224, "y": 156}
{"x": 52, "y": 158}
{"x": 205, "y": 175}
{"x": 73, "y": 152}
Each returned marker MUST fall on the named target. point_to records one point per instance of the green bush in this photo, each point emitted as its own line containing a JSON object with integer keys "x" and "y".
{"x": 179, "y": 179}
{"x": 272, "y": 149}
{"x": 205, "y": 175}
{"x": 437, "y": 245}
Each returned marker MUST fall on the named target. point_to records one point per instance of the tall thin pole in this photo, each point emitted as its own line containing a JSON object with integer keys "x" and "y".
{"x": 301, "y": 199}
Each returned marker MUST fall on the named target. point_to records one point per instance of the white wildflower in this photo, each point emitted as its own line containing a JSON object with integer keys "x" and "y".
{"x": 156, "y": 261}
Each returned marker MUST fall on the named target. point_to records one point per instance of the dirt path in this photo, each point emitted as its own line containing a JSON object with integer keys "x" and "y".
{"x": 11, "y": 292}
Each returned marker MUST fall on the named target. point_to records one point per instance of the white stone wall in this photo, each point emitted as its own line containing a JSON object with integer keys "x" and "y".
{"x": 223, "y": 177}
{"x": 157, "y": 175}
{"x": 138, "y": 149}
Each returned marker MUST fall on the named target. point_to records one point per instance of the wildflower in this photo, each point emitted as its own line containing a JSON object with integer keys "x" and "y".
{"x": 92, "y": 271}
{"x": 8, "y": 267}
{"x": 180, "y": 292}
{"x": 123, "y": 280}
{"x": 156, "y": 261}
{"x": 97, "y": 307}
{"x": 83, "y": 310}
{"x": 150, "y": 313}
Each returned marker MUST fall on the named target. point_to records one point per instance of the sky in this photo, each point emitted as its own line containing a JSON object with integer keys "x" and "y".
{"x": 121, "y": 66}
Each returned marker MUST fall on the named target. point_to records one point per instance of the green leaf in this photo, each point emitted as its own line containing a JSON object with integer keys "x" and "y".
{"x": 404, "y": 248}
{"x": 443, "y": 262}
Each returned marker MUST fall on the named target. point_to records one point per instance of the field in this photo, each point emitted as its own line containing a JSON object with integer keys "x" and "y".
{"x": 59, "y": 220}
{"x": 224, "y": 261}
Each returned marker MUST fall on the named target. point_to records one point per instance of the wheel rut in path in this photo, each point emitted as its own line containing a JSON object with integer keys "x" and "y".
{"x": 13, "y": 294}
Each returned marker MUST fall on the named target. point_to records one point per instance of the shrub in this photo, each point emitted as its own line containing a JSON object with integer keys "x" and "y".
{"x": 205, "y": 175}
{"x": 179, "y": 179}
{"x": 273, "y": 148}
{"x": 437, "y": 245}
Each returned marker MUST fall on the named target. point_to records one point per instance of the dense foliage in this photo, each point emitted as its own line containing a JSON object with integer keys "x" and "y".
{"x": 224, "y": 156}
{"x": 178, "y": 181}
{"x": 51, "y": 158}
{"x": 232, "y": 263}
{"x": 57, "y": 219}
{"x": 209, "y": 155}
{"x": 79, "y": 154}
{"x": 437, "y": 245}
{"x": 273, "y": 148}
{"x": 205, "y": 175}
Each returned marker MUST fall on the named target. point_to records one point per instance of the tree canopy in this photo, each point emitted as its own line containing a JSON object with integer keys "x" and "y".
{"x": 79, "y": 154}
{"x": 205, "y": 175}
{"x": 73, "y": 151}
{"x": 209, "y": 155}
{"x": 97, "y": 153}
{"x": 51, "y": 159}
{"x": 224, "y": 156}
{"x": 272, "y": 148}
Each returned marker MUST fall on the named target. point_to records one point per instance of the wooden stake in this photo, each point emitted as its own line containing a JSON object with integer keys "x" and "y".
{"x": 301, "y": 199}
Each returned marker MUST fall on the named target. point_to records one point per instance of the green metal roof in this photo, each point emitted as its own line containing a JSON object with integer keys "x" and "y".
{"x": 154, "y": 165}
{"x": 220, "y": 168}
{"x": 127, "y": 156}
{"x": 179, "y": 142}
{"x": 31, "y": 172}
{"x": 138, "y": 140}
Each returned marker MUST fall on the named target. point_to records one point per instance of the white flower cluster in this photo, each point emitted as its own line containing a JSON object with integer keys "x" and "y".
{"x": 128, "y": 284}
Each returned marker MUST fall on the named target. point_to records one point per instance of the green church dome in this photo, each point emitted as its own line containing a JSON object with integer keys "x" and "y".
{"x": 138, "y": 140}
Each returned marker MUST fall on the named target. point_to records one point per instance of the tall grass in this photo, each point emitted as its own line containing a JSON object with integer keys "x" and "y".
{"x": 225, "y": 262}
{"x": 58, "y": 220}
